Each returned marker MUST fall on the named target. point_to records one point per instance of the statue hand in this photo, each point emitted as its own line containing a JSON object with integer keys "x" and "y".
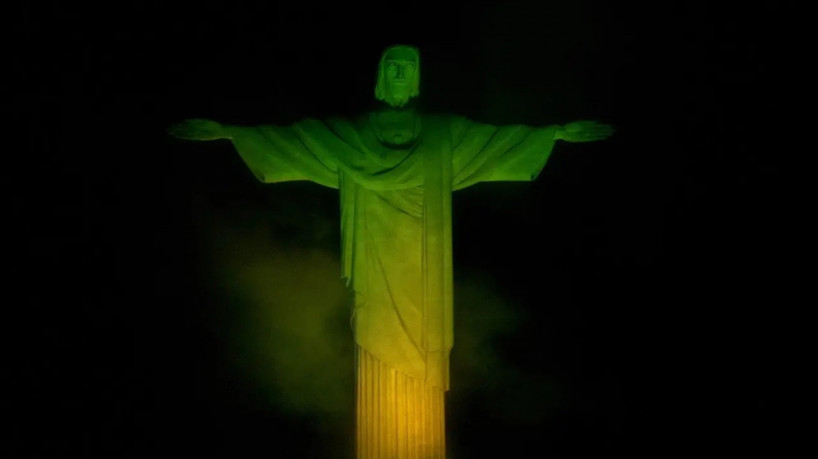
{"x": 584, "y": 131}
{"x": 198, "y": 129}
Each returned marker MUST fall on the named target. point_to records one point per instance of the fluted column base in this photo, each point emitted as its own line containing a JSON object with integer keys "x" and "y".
{"x": 397, "y": 416}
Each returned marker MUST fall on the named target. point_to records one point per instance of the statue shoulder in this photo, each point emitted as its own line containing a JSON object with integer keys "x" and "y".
{"x": 457, "y": 126}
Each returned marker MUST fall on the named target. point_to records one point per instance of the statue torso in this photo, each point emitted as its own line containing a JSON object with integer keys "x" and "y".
{"x": 396, "y": 128}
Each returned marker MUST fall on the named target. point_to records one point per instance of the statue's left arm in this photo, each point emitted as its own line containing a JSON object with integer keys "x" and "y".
{"x": 482, "y": 152}
{"x": 584, "y": 131}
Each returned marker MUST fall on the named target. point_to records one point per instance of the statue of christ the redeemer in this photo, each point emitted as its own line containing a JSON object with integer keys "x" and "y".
{"x": 396, "y": 169}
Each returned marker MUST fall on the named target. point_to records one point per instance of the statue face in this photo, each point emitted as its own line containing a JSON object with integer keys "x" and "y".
{"x": 399, "y": 74}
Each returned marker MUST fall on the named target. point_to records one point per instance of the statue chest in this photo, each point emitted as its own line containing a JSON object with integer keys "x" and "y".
{"x": 396, "y": 127}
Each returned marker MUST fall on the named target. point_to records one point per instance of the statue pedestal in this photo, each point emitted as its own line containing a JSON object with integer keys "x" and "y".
{"x": 397, "y": 416}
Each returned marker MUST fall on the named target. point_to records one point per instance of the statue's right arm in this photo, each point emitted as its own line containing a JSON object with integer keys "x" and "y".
{"x": 273, "y": 153}
{"x": 199, "y": 129}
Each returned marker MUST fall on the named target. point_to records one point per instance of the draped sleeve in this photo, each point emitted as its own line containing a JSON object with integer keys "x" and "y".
{"x": 483, "y": 153}
{"x": 286, "y": 153}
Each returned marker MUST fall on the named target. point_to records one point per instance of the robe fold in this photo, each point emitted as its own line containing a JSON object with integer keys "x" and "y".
{"x": 397, "y": 250}
{"x": 396, "y": 216}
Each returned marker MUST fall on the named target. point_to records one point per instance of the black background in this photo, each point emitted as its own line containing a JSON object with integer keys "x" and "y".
{"x": 654, "y": 268}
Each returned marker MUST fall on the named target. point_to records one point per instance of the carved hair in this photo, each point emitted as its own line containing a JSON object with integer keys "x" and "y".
{"x": 380, "y": 93}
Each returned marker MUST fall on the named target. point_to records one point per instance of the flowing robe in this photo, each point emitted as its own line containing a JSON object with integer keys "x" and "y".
{"x": 396, "y": 244}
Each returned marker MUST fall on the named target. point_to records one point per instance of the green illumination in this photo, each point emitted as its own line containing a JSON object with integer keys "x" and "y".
{"x": 398, "y": 75}
{"x": 396, "y": 170}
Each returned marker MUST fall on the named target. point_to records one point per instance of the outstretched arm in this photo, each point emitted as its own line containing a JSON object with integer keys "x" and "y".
{"x": 584, "y": 131}
{"x": 273, "y": 153}
{"x": 514, "y": 152}
{"x": 199, "y": 129}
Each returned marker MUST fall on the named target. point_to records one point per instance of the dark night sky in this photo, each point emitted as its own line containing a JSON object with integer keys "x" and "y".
{"x": 652, "y": 269}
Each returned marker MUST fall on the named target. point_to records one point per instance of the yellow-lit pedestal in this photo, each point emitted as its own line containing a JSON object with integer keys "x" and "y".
{"x": 397, "y": 416}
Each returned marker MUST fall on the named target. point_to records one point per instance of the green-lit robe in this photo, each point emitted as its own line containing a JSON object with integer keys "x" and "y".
{"x": 396, "y": 216}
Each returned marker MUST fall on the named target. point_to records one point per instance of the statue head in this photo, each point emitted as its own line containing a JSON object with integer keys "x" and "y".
{"x": 398, "y": 75}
